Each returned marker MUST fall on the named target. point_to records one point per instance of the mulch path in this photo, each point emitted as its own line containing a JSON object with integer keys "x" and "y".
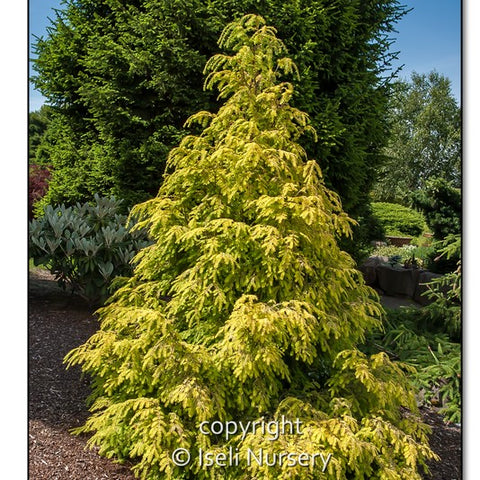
{"x": 59, "y": 322}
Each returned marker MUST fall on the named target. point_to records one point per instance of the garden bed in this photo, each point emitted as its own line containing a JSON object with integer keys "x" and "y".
{"x": 58, "y": 322}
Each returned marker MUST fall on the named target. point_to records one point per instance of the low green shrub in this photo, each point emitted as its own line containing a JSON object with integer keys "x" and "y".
{"x": 446, "y": 292}
{"x": 424, "y": 240}
{"x": 444, "y": 255}
{"x": 85, "y": 246}
{"x": 439, "y": 382}
{"x": 446, "y": 309}
{"x": 441, "y": 204}
{"x": 438, "y": 264}
{"x": 397, "y": 220}
{"x": 409, "y": 337}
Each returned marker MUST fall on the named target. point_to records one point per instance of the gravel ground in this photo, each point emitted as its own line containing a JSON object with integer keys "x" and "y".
{"x": 59, "y": 322}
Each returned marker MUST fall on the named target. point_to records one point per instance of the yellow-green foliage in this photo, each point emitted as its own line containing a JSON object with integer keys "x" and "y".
{"x": 245, "y": 307}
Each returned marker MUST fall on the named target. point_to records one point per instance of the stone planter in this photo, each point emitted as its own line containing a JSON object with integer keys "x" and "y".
{"x": 399, "y": 241}
{"x": 397, "y": 281}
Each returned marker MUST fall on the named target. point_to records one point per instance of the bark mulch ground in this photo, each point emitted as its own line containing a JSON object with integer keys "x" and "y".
{"x": 59, "y": 322}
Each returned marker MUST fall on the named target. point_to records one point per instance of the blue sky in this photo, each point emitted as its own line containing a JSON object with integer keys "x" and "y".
{"x": 428, "y": 39}
{"x": 39, "y": 13}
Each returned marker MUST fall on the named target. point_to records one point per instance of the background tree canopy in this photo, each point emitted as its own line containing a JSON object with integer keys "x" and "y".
{"x": 123, "y": 76}
{"x": 425, "y": 140}
{"x": 37, "y": 126}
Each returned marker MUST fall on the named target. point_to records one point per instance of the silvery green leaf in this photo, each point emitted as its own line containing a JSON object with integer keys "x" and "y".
{"x": 53, "y": 244}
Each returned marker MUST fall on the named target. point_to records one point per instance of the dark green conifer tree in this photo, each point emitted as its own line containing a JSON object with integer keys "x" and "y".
{"x": 124, "y": 75}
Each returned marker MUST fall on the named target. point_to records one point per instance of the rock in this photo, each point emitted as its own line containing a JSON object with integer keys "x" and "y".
{"x": 378, "y": 243}
{"x": 368, "y": 268}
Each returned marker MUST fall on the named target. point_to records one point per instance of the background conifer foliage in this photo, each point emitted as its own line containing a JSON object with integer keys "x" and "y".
{"x": 245, "y": 306}
{"x": 123, "y": 75}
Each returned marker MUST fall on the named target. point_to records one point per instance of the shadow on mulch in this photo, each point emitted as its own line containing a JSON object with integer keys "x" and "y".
{"x": 59, "y": 322}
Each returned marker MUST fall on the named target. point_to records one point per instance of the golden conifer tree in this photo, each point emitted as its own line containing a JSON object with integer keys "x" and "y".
{"x": 244, "y": 308}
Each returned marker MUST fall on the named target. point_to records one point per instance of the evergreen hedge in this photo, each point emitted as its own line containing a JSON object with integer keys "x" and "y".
{"x": 397, "y": 220}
